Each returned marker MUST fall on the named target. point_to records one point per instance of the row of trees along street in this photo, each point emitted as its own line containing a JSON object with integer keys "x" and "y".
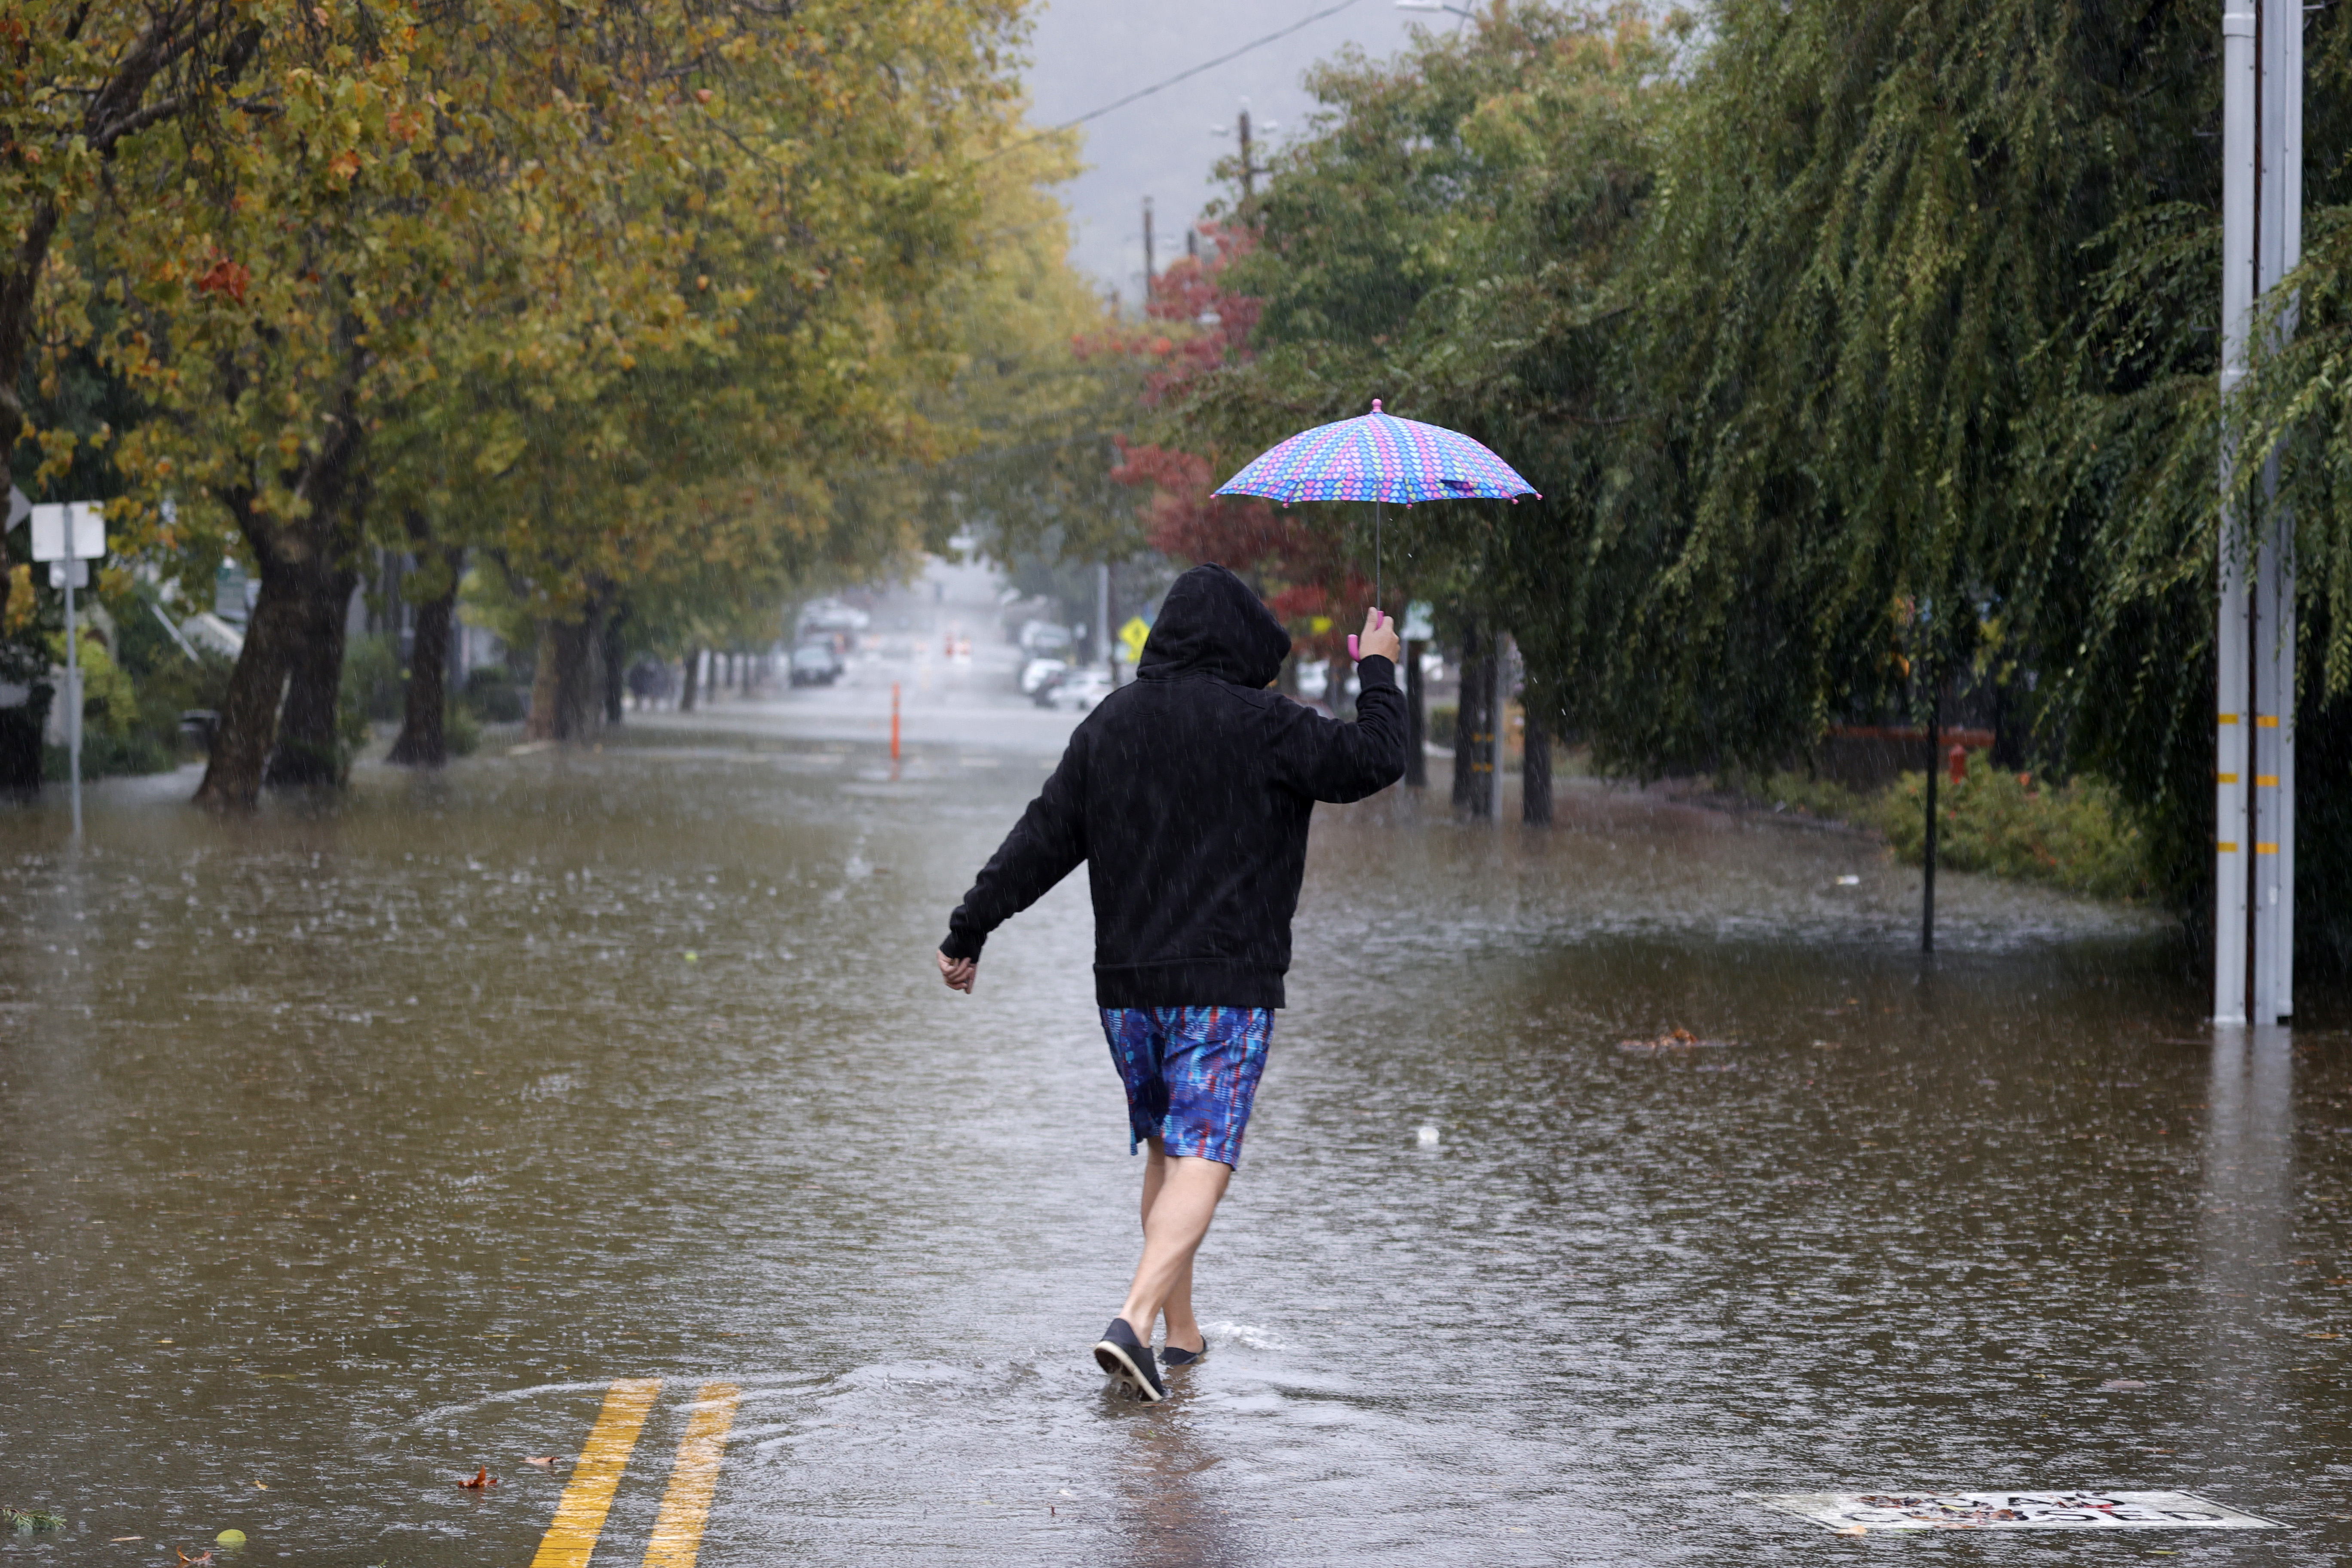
{"x": 1862, "y": 352}
{"x": 635, "y": 319}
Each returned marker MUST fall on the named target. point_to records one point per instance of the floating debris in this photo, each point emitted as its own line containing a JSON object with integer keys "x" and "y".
{"x": 482, "y": 1479}
{"x": 1672, "y": 1040}
{"x": 1429, "y": 1137}
{"x": 31, "y": 1519}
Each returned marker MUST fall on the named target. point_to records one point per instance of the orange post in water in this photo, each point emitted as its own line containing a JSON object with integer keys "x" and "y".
{"x": 894, "y": 721}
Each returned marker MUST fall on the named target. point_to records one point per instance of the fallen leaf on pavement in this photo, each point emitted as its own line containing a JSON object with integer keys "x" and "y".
{"x": 482, "y": 1478}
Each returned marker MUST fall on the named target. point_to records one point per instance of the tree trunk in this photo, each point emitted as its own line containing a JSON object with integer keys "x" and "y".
{"x": 1535, "y": 767}
{"x": 1473, "y": 737}
{"x": 1416, "y": 722}
{"x": 424, "y": 740}
{"x": 248, "y": 722}
{"x": 20, "y": 742}
{"x": 692, "y": 683}
{"x": 616, "y": 660}
{"x": 309, "y": 749}
{"x": 566, "y": 698}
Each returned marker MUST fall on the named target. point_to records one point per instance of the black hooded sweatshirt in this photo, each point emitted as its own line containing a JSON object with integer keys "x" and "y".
{"x": 1188, "y": 794}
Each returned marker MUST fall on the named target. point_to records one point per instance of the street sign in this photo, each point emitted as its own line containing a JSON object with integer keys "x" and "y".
{"x": 69, "y": 535}
{"x": 1133, "y": 635}
{"x": 65, "y": 531}
{"x": 1418, "y": 616}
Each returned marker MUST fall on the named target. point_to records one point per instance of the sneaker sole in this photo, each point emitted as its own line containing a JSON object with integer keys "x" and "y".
{"x": 1114, "y": 1358}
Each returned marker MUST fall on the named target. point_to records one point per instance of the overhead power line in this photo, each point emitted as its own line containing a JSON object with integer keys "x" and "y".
{"x": 1143, "y": 92}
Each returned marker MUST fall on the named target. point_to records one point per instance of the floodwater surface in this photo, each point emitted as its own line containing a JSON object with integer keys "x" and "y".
{"x": 344, "y": 1150}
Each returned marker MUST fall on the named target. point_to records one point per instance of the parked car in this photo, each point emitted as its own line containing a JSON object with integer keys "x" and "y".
{"x": 815, "y": 662}
{"x": 1044, "y": 639}
{"x": 1038, "y": 672}
{"x": 833, "y": 616}
{"x": 1080, "y": 690}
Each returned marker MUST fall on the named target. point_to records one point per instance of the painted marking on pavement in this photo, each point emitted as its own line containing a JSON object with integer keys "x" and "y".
{"x": 685, "y": 1506}
{"x": 580, "y": 1515}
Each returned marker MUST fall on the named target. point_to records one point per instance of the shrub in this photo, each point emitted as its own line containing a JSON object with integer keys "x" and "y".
{"x": 2075, "y": 835}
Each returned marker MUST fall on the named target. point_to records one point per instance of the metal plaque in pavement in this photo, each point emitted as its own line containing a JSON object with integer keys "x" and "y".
{"x": 1855, "y": 1512}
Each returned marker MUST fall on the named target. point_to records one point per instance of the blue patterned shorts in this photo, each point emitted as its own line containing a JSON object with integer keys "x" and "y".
{"x": 1190, "y": 1074}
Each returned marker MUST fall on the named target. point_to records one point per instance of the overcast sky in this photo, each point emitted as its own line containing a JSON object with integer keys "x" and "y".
{"x": 1087, "y": 53}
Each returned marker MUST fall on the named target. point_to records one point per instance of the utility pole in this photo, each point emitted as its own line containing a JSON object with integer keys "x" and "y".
{"x": 2261, "y": 241}
{"x": 1148, "y": 272}
{"x": 1241, "y": 127}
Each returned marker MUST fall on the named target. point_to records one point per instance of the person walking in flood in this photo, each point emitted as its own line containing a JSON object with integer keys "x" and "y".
{"x": 1188, "y": 794}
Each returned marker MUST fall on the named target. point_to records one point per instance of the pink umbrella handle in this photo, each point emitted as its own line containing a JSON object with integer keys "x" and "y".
{"x": 1351, "y": 646}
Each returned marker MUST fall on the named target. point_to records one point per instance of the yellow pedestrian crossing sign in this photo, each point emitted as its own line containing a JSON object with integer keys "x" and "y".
{"x": 1133, "y": 635}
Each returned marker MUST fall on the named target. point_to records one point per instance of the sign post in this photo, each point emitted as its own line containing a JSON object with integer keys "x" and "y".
{"x": 69, "y": 535}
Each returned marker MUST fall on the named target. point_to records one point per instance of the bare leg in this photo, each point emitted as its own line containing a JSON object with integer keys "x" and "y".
{"x": 1177, "y": 1206}
{"x": 1184, "y": 1329}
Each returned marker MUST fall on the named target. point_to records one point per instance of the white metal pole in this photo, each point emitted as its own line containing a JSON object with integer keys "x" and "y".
{"x": 73, "y": 687}
{"x": 2233, "y": 844}
{"x": 2278, "y": 246}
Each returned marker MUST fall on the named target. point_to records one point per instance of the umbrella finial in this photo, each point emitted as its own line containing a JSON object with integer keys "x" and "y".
{"x": 1376, "y": 405}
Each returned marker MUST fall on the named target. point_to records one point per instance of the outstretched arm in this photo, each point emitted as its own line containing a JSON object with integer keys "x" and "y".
{"x": 1329, "y": 761}
{"x": 1044, "y": 846}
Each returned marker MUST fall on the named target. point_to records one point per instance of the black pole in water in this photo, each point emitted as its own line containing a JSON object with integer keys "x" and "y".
{"x": 1935, "y": 744}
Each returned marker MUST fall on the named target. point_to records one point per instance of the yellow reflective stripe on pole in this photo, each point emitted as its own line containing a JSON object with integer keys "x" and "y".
{"x": 685, "y": 1506}
{"x": 580, "y": 1515}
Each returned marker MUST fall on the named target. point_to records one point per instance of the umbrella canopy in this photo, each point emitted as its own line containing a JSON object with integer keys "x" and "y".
{"x": 1378, "y": 457}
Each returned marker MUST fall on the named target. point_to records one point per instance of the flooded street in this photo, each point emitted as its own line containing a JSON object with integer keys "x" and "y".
{"x": 345, "y": 1150}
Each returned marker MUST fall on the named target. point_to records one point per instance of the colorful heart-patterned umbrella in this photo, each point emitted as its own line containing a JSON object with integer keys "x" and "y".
{"x": 1378, "y": 457}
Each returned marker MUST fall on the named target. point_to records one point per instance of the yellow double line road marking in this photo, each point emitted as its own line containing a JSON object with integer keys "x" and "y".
{"x": 685, "y": 1506}
{"x": 677, "y": 1530}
